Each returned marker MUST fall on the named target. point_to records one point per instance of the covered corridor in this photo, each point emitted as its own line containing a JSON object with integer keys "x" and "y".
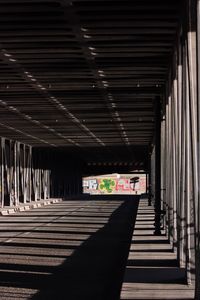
{"x": 91, "y": 87}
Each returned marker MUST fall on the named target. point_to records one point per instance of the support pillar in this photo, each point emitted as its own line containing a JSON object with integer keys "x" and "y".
{"x": 197, "y": 285}
{"x": 157, "y": 166}
{"x": 149, "y": 180}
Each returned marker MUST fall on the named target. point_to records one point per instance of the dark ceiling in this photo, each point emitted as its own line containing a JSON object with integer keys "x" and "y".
{"x": 84, "y": 74}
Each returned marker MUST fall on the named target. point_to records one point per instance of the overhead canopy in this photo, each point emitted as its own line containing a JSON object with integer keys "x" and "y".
{"x": 84, "y": 75}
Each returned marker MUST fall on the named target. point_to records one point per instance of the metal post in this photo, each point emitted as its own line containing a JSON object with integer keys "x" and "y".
{"x": 188, "y": 182}
{"x": 157, "y": 166}
{"x": 149, "y": 181}
{"x": 30, "y": 173}
{"x": 180, "y": 153}
{"x": 174, "y": 158}
{"x": 167, "y": 170}
{"x": 14, "y": 173}
{"x": 24, "y": 171}
{"x": 163, "y": 170}
{"x": 2, "y": 174}
{"x": 197, "y": 292}
{"x": 183, "y": 173}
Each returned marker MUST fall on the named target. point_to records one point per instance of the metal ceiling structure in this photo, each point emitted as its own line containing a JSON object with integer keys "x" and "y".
{"x": 84, "y": 75}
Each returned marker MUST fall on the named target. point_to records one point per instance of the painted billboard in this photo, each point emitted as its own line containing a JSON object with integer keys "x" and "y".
{"x": 115, "y": 184}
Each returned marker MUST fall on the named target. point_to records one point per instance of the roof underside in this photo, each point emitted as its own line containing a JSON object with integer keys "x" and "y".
{"x": 84, "y": 74}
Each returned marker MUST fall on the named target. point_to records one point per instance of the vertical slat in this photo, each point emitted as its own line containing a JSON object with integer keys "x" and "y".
{"x": 180, "y": 147}
{"x": 189, "y": 180}
{"x": 167, "y": 165}
{"x": 174, "y": 158}
{"x": 170, "y": 198}
{"x": 2, "y": 171}
{"x": 193, "y": 110}
{"x": 197, "y": 285}
{"x": 26, "y": 169}
{"x": 163, "y": 168}
{"x": 157, "y": 166}
{"x": 24, "y": 174}
{"x": 29, "y": 172}
{"x": 183, "y": 166}
{"x": 149, "y": 178}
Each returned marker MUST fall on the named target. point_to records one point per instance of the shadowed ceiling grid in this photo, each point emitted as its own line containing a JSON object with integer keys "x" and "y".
{"x": 84, "y": 74}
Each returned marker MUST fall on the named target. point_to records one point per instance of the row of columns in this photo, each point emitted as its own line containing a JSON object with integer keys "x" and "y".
{"x": 177, "y": 148}
{"x": 31, "y": 174}
{"x": 21, "y": 180}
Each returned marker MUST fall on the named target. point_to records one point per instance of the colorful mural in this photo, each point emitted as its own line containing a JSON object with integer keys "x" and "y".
{"x": 114, "y": 185}
{"x": 107, "y": 185}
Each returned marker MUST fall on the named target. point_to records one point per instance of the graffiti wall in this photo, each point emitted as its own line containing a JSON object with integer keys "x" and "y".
{"x": 114, "y": 185}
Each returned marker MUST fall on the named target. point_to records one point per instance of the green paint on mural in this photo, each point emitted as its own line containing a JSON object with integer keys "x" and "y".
{"x": 108, "y": 185}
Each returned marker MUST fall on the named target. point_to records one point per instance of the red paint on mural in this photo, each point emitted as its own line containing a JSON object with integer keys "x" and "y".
{"x": 123, "y": 185}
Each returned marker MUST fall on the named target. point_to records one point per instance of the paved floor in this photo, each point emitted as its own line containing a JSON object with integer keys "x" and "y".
{"x": 74, "y": 250}
{"x": 152, "y": 271}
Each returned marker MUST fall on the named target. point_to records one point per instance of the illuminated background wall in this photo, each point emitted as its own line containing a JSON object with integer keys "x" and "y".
{"x": 115, "y": 184}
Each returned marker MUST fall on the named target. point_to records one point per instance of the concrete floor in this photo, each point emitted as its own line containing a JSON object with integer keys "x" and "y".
{"x": 85, "y": 250}
{"x": 152, "y": 270}
{"x": 74, "y": 250}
